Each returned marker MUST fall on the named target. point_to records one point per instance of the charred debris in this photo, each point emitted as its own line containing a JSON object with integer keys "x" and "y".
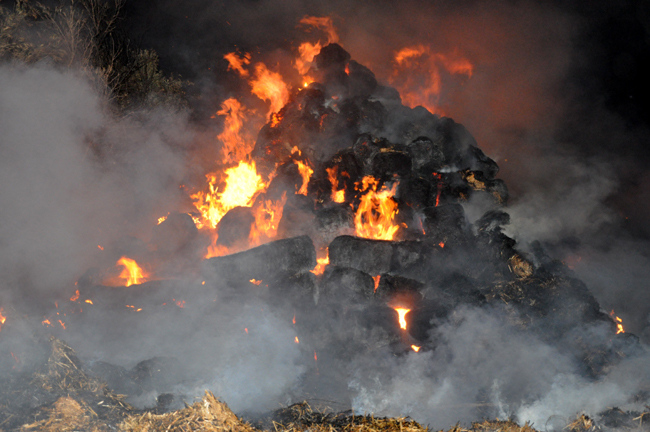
{"x": 342, "y": 289}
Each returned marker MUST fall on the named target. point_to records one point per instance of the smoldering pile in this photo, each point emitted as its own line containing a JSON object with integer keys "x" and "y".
{"x": 374, "y": 255}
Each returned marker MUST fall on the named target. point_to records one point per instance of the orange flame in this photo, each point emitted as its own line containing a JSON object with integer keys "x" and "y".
{"x": 236, "y": 63}
{"x": 255, "y": 281}
{"x": 618, "y": 322}
{"x": 46, "y": 322}
{"x": 235, "y": 145}
{"x": 376, "y": 279}
{"x": 162, "y": 219}
{"x": 267, "y": 218}
{"x": 89, "y": 301}
{"x": 270, "y": 87}
{"x": 321, "y": 264}
{"x": 131, "y": 272}
{"x": 338, "y": 196}
{"x": 418, "y": 89}
{"x": 100, "y": 248}
{"x": 3, "y": 318}
{"x": 307, "y": 50}
{"x": 306, "y": 172}
{"x": 75, "y": 297}
{"x": 375, "y": 217}
{"x": 401, "y": 315}
{"x": 415, "y": 348}
{"x": 296, "y": 340}
{"x": 243, "y": 184}
{"x": 62, "y": 324}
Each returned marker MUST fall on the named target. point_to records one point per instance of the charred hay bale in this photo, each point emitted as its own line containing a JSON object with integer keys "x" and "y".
{"x": 297, "y": 289}
{"x": 424, "y": 152}
{"x": 287, "y": 179}
{"x": 492, "y": 221}
{"x": 446, "y": 222}
{"x": 366, "y": 147}
{"x": 235, "y": 226}
{"x": 340, "y": 283}
{"x": 388, "y": 163}
{"x": 175, "y": 233}
{"x": 373, "y": 116}
{"x": 408, "y": 254}
{"x": 335, "y": 218}
{"x": 401, "y": 291}
{"x": 157, "y": 374}
{"x": 499, "y": 190}
{"x": 457, "y": 143}
{"x": 417, "y": 191}
{"x": 269, "y": 261}
{"x": 297, "y": 216}
{"x": 369, "y": 256}
{"x": 361, "y": 80}
{"x": 482, "y": 163}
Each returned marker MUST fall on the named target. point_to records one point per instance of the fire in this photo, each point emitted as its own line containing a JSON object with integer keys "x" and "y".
{"x": 306, "y": 172}
{"x": 296, "y": 340}
{"x": 401, "y": 315}
{"x": 417, "y": 88}
{"x": 100, "y": 248}
{"x": 307, "y": 51}
{"x": 75, "y": 297}
{"x": 243, "y": 184}
{"x": 3, "y": 318}
{"x": 132, "y": 272}
{"x": 321, "y": 263}
{"x": 62, "y": 324}
{"x": 338, "y": 196}
{"x": 269, "y": 86}
{"x": 415, "y": 348}
{"x": 255, "y": 281}
{"x": 235, "y": 145}
{"x": 267, "y": 219}
{"x": 376, "y": 279}
{"x": 162, "y": 219}
{"x": 236, "y": 63}
{"x": 441, "y": 244}
{"x": 618, "y": 322}
{"x": 46, "y": 322}
{"x": 89, "y": 301}
{"x": 294, "y": 318}
{"x": 375, "y": 217}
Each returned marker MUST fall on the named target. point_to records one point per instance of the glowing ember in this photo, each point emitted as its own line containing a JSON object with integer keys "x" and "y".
{"x": 338, "y": 196}
{"x": 246, "y": 330}
{"x": 415, "y": 348}
{"x": 618, "y": 322}
{"x": 401, "y": 314}
{"x": 100, "y": 248}
{"x": 89, "y": 301}
{"x": 161, "y": 219}
{"x": 306, "y": 172}
{"x": 3, "y": 318}
{"x": 46, "y": 322}
{"x": 255, "y": 282}
{"x": 179, "y": 303}
{"x": 75, "y": 297}
{"x": 376, "y": 279}
{"x": 441, "y": 244}
{"x": 294, "y": 319}
{"x": 296, "y": 340}
{"x": 417, "y": 75}
{"x": 62, "y": 324}
{"x": 132, "y": 272}
{"x": 375, "y": 217}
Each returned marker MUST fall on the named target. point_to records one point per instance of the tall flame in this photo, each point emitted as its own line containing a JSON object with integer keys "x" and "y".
{"x": 375, "y": 217}
{"x": 131, "y": 272}
{"x": 618, "y": 322}
{"x": 401, "y": 316}
{"x": 306, "y": 172}
{"x": 338, "y": 196}
{"x": 418, "y": 89}
{"x": 267, "y": 218}
{"x": 269, "y": 86}
{"x": 235, "y": 146}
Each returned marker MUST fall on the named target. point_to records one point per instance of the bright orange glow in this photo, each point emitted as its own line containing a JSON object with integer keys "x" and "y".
{"x": 89, "y": 301}
{"x": 376, "y": 279}
{"x": 618, "y": 322}
{"x": 161, "y": 219}
{"x": 296, "y": 340}
{"x": 255, "y": 281}
{"x": 415, "y": 348}
{"x": 423, "y": 88}
{"x": 338, "y": 196}
{"x": 75, "y": 297}
{"x": 237, "y": 63}
{"x": 375, "y": 217}
{"x": 270, "y": 87}
{"x": 307, "y": 51}
{"x": 132, "y": 272}
{"x": 243, "y": 184}
{"x": 321, "y": 264}
{"x": 267, "y": 218}
{"x": 62, "y": 324}
{"x": 246, "y": 330}
{"x": 305, "y": 172}
{"x": 46, "y": 322}
{"x": 441, "y": 244}
{"x": 235, "y": 144}
{"x": 179, "y": 303}
{"x": 100, "y": 248}
{"x": 3, "y": 318}
{"x": 294, "y": 318}
{"x": 401, "y": 315}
